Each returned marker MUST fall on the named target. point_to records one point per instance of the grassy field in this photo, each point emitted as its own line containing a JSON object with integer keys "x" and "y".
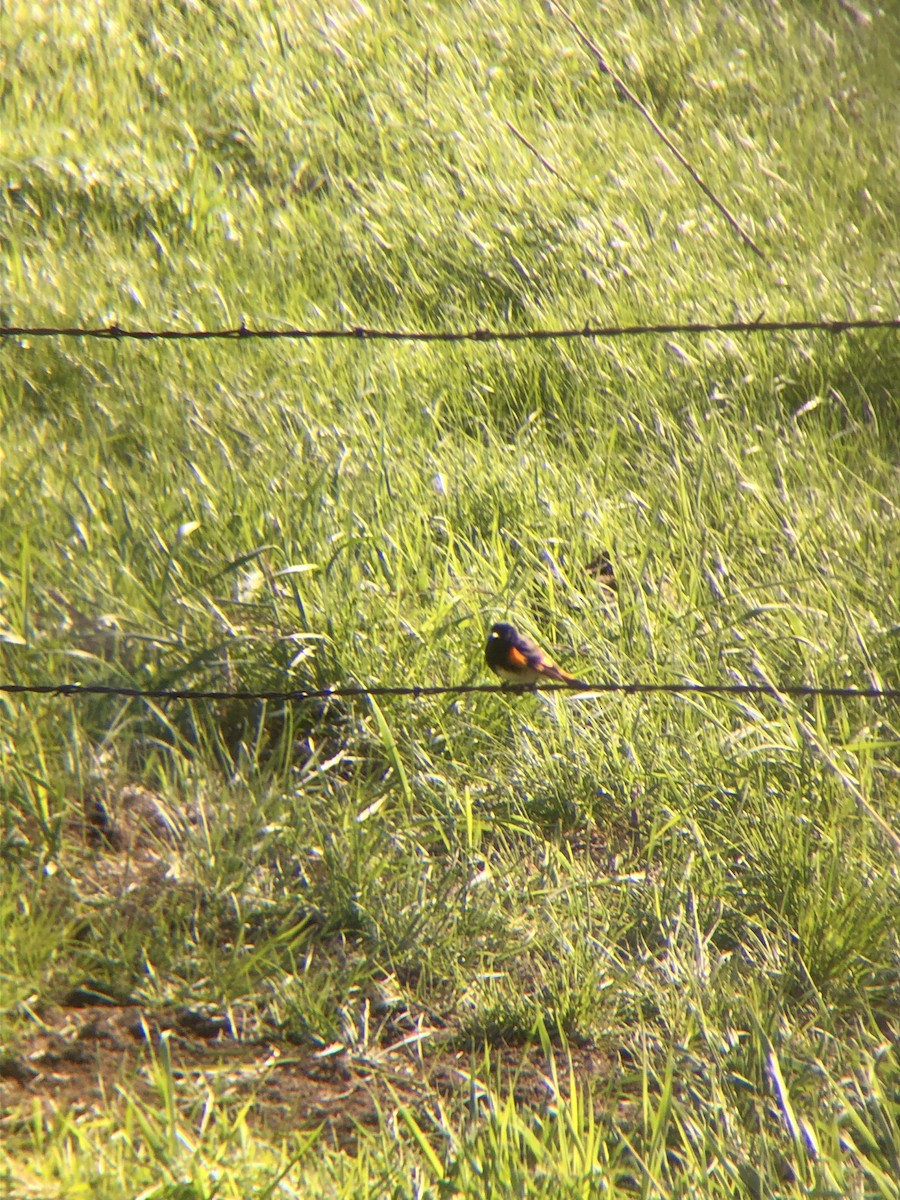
{"x": 475, "y": 945}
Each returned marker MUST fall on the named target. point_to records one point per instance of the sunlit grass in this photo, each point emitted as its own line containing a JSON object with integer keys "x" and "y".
{"x": 687, "y": 886}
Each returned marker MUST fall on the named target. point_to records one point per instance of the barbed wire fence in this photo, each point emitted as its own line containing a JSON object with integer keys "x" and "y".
{"x": 589, "y": 331}
{"x": 361, "y": 333}
{"x": 781, "y": 694}
{"x": 421, "y": 691}
{"x": 243, "y": 332}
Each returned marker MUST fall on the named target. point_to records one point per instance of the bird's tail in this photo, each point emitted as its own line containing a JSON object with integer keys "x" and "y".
{"x": 558, "y": 675}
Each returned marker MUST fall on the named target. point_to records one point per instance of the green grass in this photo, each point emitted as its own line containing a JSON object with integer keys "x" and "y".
{"x": 596, "y": 946}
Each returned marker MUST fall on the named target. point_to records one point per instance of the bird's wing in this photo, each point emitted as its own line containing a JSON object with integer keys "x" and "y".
{"x": 517, "y": 661}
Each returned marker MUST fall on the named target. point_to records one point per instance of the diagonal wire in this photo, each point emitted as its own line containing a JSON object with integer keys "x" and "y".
{"x": 629, "y": 95}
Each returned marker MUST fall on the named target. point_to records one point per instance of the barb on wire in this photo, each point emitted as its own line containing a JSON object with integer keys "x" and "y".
{"x": 362, "y": 333}
{"x": 629, "y": 95}
{"x": 633, "y": 688}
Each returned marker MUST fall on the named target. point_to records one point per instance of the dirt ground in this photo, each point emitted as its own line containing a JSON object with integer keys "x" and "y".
{"x": 90, "y": 1052}
{"x": 88, "y": 1056}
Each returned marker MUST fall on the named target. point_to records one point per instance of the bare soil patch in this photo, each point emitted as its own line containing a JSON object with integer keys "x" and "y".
{"x": 98, "y": 1048}
{"x": 85, "y": 1058}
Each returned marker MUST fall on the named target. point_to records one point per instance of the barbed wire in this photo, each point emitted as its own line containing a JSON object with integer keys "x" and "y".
{"x": 460, "y": 689}
{"x": 243, "y": 332}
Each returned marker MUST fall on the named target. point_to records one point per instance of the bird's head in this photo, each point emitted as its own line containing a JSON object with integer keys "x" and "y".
{"x": 502, "y": 631}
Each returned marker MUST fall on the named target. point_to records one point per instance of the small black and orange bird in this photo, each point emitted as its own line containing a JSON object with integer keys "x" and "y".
{"x": 516, "y": 659}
